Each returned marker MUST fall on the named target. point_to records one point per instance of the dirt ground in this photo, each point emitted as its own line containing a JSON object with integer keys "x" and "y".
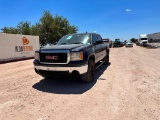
{"x": 127, "y": 89}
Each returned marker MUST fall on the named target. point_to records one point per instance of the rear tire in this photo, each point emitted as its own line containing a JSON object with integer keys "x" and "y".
{"x": 89, "y": 75}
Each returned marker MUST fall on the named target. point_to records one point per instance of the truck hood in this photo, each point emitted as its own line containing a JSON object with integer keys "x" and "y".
{"x": 70, "y": 47}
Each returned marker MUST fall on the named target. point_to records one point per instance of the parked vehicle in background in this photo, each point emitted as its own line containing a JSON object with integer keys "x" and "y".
{"x": 110, "y": 43}
{"x": 143, "y": 39}
{"x": 129, "y": 44}
{"x": 143, "y": 43}
{"x": 107, "y": 42}
{"x": 117, "y": 43}
{"x": 121, "y": 44}
{"x": 137, "y": 43}
{"x": 76, "y": 54}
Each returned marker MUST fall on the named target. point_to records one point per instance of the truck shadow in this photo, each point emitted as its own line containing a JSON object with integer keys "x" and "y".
{"x": 66, "y": 85}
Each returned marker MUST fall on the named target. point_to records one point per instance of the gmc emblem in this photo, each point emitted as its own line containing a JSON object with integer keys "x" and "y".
{"x": 51, "y": 57}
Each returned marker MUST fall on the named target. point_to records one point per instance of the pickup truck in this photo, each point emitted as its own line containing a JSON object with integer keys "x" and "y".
{"x": 76, "y": 54}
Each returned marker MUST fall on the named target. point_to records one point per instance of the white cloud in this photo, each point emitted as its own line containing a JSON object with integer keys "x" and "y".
{"x": 94, "y": 31}
{"x": 128, "y": 10}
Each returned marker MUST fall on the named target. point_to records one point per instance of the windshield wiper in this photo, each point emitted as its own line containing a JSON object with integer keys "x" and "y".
{"x": 77, "y": 43}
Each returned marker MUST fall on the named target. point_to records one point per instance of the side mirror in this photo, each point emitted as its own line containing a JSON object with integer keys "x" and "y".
{"x": 99, "y": 41}
{"x": 105, "y": 40}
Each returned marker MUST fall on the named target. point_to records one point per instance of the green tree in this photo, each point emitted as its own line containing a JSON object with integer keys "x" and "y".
{"x": 49, "y": 28}
{"x": 24, "y": 28}
{"x": 53, "y": 28}
{"x": 36, "y": 29}
{"x": 10, "y": 30}
{"x": 45, "y": 28}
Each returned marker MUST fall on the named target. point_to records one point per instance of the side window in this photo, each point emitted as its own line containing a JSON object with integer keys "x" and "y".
{"x": 99, "y": 37}
{"x": 94, "y": 38}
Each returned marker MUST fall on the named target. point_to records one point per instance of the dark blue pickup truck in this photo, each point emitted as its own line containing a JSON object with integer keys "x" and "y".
{"x": 76, "y": 54}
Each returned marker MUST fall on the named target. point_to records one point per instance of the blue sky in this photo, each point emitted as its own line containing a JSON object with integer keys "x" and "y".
{"x": 112, "y": 19}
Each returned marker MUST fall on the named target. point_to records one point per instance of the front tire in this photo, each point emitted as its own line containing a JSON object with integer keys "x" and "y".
{"x": 89, "y": 75}
{"x": 46, "y": 77}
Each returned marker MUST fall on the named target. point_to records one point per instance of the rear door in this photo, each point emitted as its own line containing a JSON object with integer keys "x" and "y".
{"x": 99, "y": 49}
{"x": 102, "y": 51}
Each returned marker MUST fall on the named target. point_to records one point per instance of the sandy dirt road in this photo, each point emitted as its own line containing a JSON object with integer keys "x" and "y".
{"x": 127, "y": 89}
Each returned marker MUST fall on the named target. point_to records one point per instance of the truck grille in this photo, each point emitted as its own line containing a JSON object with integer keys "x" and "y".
{"x": 54, "y": 57}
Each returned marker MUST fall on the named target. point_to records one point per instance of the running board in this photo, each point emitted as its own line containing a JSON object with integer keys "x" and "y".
{"x": 100, "y": 64}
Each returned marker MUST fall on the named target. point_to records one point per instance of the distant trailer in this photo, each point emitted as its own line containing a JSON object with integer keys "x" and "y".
{"x": 15, "y": 47}
{"x": 154, "y": 38}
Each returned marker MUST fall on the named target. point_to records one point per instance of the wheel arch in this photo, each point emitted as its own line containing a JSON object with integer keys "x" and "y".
{"x": 91, "y": 57}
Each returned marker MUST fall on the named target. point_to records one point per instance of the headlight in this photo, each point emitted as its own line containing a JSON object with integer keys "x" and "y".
{"x": 36, "y": 55}
{"x": 76, "y": 56}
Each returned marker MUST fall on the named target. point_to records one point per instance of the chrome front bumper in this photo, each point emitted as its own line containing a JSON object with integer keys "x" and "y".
{"x": 81, "y": 69}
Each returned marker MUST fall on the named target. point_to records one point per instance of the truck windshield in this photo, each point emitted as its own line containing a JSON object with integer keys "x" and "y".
{"x": 143, "y": 38}
{"x": 75, "y": 39}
